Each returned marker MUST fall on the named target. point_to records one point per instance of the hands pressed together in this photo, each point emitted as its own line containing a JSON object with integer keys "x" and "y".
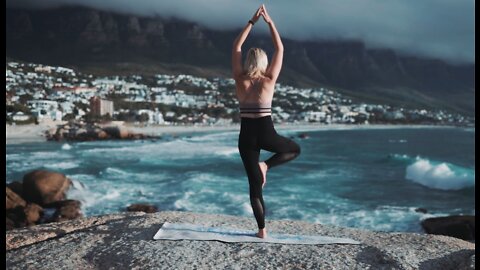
{"x": 261, "y": 11}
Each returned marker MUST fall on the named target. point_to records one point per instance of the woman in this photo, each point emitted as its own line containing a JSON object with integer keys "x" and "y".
{"x": 255, "y": 83}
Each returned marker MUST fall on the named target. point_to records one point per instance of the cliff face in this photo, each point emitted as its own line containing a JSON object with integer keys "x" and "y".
{"x": 125, "y": 240}
{"x": 87, "y": 38}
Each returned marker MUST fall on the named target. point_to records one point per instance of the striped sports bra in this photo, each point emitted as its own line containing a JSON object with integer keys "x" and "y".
{"x": 256, "y": 107}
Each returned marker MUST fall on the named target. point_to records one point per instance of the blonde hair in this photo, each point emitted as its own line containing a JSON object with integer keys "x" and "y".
{"x": 256, "y": 63}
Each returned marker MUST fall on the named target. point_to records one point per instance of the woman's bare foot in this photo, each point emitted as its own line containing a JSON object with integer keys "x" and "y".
{"x": 262, "y": 233}
{"x": 263, "y": 168}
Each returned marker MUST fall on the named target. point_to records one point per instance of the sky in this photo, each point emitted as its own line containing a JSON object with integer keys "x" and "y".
{"x": 443, "y": 29}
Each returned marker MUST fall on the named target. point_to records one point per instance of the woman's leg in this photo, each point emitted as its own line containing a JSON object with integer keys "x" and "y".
{"x": 284, "y": 148}
{"x": 250, "y": 161}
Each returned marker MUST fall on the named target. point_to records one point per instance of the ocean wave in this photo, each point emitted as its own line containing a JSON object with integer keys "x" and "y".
{"x": 440, "y": 175}
{"x": 114, "y": 171}
{"x": 105, "y": 196}
{"x": 25, "y": 165}
{"x": 400, "y": 157}
{"x": 62, "y": 165}
{"x": 138, "y": 177}
{"x": 66, "y": 146}
{"x": 48, "y": 155}
{"x": 383, "y": 218}
{"x": 190, "y": 202}
{"x": 213, "y": 137}
{"x": 177, "y": 149}
{"x": 329, "y": 173}
{"x": 397, "y": 141}
{"x": 210, "y": 192}
{"x": 11, "y": 157}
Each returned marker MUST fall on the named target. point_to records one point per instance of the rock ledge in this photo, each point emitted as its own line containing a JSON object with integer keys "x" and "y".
{"x": 125, "y": 241}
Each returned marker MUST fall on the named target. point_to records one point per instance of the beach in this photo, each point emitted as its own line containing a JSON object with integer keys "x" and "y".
{"x": 27, "y": 133}
{"x": 36, "y": 133}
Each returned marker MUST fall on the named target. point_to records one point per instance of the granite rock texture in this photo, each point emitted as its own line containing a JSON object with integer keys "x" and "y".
{"x": 125, "y": 241}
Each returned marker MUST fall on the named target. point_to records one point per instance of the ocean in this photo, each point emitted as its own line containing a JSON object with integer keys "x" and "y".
{"x": 362, "y": 178}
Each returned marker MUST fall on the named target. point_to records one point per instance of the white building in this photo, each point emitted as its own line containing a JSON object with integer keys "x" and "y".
{"x": 20, "y": 116}
{"x": 349, "y": 117}
{"x": 42, "y": 104}
{"x": 154, "y": 117}
{"x": 312, "y": 116}
{"x": 164, "y": 98}
{"x": 45, "y": 109}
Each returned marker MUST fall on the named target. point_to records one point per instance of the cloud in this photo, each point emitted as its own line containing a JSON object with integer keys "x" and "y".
{"x": 442, "y": 29}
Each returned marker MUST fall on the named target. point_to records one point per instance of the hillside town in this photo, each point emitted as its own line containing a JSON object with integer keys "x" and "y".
{"x": 36, "y": 93}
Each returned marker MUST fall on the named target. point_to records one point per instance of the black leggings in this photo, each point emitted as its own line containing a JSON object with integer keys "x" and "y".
{"x": 256, "y": 134}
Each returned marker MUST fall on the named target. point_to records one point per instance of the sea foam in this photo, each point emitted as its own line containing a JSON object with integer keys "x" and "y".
{"x": 440, "y": 175}
{"x": 66, "y": 146}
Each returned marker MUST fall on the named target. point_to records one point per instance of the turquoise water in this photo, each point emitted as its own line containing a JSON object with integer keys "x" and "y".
{"x": 363, "y": 178}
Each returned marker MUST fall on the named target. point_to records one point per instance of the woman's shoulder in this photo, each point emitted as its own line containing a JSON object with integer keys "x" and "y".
{"x": 246, "y": 78}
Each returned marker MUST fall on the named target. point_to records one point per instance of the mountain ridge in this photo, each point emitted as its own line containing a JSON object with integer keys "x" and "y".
{"x": 89, "y": 39}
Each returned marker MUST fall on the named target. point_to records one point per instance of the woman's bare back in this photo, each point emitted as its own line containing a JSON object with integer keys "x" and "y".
{"x": 254, "y": 91}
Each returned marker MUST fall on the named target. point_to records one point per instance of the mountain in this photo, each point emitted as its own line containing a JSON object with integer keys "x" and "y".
{"x": 103, "y": 43}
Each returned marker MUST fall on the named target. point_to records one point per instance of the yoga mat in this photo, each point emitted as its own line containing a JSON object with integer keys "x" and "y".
{"x": 180, "y": 231}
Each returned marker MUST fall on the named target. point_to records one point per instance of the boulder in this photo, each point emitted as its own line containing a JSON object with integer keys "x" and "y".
{"x": 57, "y": 136}
{"x": 138, "y": 207}
{"x": 13, "y": 199}
{"x": 123, "y": 133}
{"x": 22, "y": 216}
{"x": 43, "y": 187}
{"x": 9, "y": 224}
{"x": 16, "y": 187}
{"x": 33, "y": 213}
{"x": 421, "y": 210}
{"x": 52, "y": 131}
{"x": 102, "y": 135}
{"x": 80, "y": 132}
{"x": 117, "y": 132}
{"x": 60, "y": 131}
{"x": 462, "y": 227}
{"x": 303, "y": 135}
{"x": 65, "y": 210}
{"x": 16, "y": 216}
{"x": 137, "y": 136}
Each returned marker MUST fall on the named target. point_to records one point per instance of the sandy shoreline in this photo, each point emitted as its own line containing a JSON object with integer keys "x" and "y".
{"x": 36, "y": 133}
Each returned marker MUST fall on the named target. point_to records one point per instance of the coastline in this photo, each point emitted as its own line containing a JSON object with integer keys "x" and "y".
{"x": 36, "y": 133}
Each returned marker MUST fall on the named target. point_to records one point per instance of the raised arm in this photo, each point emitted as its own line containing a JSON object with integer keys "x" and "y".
{"x": 275, "y": 66}
{"x": 237, "y": 45}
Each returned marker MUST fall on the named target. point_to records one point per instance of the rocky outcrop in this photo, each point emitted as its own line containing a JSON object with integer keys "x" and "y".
{"x": 125, "y": 240}
{"x": 13, "y": 199}
{"x": 65, "y": 210}
{"x": 44, "y": 187}
{"x": 462, "y": 227}
{"x": 303, "y": 136}
{"x": 40, "y": 193}
{"x": 91, "y": 132}
{"x": 138, "y": 207}
{"x": 16, "y": 187}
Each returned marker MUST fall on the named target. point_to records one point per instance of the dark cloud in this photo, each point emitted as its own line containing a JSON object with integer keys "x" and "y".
{"x": 442, "y": 29}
